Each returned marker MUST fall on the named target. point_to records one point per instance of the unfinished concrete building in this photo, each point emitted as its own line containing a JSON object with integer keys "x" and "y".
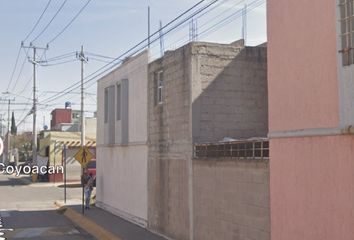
{"x": 202, "y": 93}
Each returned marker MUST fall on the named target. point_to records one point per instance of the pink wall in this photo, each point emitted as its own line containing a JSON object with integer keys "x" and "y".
{"x": 311, "y": 178}
{"x": 303, "y": 89}
{"x": 312, "y": 188}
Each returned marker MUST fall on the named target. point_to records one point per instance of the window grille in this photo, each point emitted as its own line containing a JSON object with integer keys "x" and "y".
{"x": 248, "y": 149}
{"x": 347, "y": 31}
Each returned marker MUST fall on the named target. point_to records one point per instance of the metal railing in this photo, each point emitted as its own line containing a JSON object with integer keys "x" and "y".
{"x": 240, "y": 149}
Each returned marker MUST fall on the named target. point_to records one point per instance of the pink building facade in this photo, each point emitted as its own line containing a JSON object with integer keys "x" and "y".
{"x": 311, "y": 119}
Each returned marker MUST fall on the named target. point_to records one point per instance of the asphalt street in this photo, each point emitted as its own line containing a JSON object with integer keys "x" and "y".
{"x": 27, "y": 211}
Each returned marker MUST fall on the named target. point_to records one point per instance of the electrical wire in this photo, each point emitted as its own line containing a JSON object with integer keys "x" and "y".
{"x": 98, "y": 55}
{"x": 23, "y": 113}
{"x": 26, "y": 85}
{"x": 60, "y": 57}
{"x": 70, "y": 22}
{"x": 21, "y": 69}
{"x": 99, "y": 60}
{"x": 233, "y": 16}
{"x": 39, "y": 19}
{"x": 207, "y": 22}
{"x": 51, "y": 20}
{"x": 100, "y": 71}
{"x": 59, "y": 63}
{"x": 223, "y": 22}
{"x": 14, "y": 69}
{"x": 93, "y": 76}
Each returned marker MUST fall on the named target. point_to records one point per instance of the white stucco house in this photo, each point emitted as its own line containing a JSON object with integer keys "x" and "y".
{"x": 122, "y": 151}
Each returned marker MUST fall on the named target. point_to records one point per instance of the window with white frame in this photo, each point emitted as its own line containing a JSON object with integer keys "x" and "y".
{"x": 159, "y": 87}
{"x": 347, "y": 31}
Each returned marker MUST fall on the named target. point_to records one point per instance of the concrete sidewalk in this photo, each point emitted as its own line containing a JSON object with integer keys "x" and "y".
{"x": 104, "y": 225}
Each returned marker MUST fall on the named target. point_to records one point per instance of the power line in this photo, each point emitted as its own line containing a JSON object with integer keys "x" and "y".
{"x": 71, "y": 21}
{"x": 99, "y": 55}
{"x": 93, "y": 76}
{"x": 25, "y": 110}
{"x": 88, "y": 93}
{"x": 55, "y": 64}
{"x": 39, "y": 19}
{"x": 14, "y": 69}
{"x": 51, "y": 20}
{"x": 233, "y": 16}
{"x": 60, "y": 57}
{"x": 156, "y": 38}
{"x": 99, "y": 60}
{"x": 21, "y": 69}
{"x": 26, "y": 85}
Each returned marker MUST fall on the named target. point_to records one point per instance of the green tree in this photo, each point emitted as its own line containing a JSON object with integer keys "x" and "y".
{"x": 13, "y": 125}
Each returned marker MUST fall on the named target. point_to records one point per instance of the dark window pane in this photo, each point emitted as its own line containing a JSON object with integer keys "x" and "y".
{"x": 343, "y": 26}
{"x": 344, "y": 41}
{"x": 118, "y": 102}
{"x": 348, "y": 9}
{"x": 342, "y": 11}
{"x": 106, "y": 105}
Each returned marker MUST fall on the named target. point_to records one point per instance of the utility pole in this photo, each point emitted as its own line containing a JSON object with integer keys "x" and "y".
{"x": 34, "y": 108}
{"x": 34, "y": 128}
{"x": 81, "y": 57}
{"x": 8, "y": 132}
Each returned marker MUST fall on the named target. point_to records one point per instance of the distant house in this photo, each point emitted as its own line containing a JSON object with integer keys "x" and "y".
{"x": 122, "y": 152}
{"x": 60, "y": 116}
{"x": 51, "y": 144}
{"x": 66, "y": 130}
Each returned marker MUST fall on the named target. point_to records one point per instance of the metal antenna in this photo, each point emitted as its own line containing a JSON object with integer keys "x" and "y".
{"x": 244, "y": 24}
{"x": 161, "y": 40}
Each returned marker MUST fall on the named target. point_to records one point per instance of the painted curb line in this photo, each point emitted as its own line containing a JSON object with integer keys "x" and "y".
{"x": 88, "y": 225}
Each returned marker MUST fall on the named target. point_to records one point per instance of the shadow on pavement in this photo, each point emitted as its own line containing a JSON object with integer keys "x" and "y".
{"x": 42, "y": 224}
{"x": 18, "y": 181}
{"x": 116, "y": 225}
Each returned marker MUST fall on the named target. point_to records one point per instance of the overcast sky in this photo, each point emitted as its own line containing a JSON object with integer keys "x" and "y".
{"x": 105, "y": 27}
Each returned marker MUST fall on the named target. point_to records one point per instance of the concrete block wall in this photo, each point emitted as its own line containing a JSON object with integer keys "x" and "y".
{"x": 230, "y": 89}
{"x": 210, "y": 91}
{"x": 231, "y": 199}
{"x": 170, "y": 146}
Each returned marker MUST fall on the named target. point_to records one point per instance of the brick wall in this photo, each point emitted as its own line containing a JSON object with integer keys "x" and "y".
{"x": 60, "y": 116}
{"x": 231, "y": 199}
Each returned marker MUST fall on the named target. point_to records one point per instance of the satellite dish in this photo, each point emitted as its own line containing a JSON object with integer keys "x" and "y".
{"x": 1, "y": 146}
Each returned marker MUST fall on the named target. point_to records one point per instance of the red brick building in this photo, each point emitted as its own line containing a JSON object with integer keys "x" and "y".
{"x": 59, "y": 116}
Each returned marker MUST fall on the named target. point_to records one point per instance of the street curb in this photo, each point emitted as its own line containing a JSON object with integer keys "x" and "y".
{"x": 86, "y": 224}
